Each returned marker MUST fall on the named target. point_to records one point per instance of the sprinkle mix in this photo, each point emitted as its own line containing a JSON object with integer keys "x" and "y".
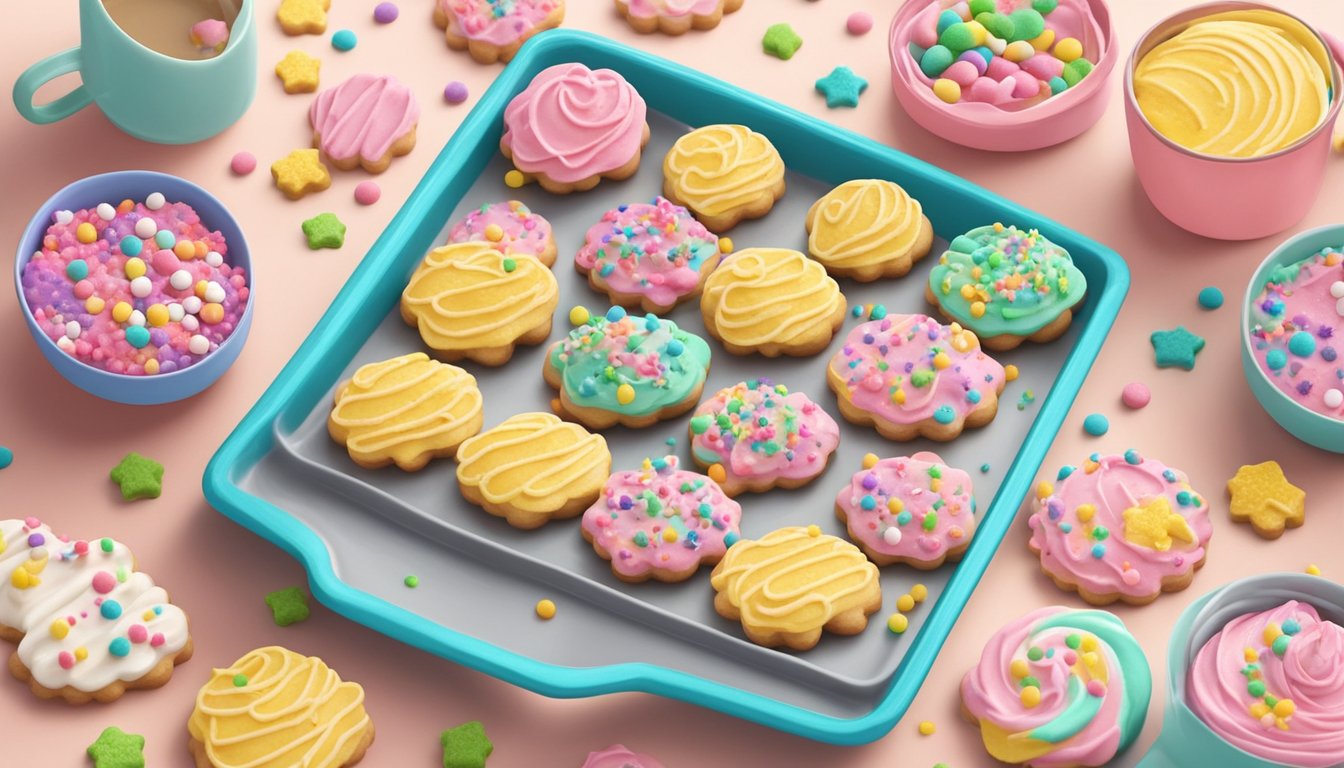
{"x": 1270, "y": 711}
{"x": 1011, "y": 273}
{"x": 1299, "y": 319}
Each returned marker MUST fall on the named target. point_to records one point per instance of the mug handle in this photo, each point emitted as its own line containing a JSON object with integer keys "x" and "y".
{"x": 38, "y": 75}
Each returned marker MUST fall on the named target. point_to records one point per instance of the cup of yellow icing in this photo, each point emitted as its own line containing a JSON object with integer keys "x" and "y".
{"x": 1229, "y": 107}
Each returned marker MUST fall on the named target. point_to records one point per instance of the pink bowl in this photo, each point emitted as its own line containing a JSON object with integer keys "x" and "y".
{"x": 1219, "y": 197}
{"x": 985, "y": 126}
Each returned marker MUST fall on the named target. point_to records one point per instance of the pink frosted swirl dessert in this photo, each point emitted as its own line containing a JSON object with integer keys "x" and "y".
{"x": 497, "y": 22}
{"x": 661, "y": 522}
{"x": 652, "y": 254}
{"x": 511, "y": 226}
{"x": 911, "y": 509}
{"x": 1059, "y": 688}
{"x": 1121, "y": 527}
{"x": 1272, "y": 684}
{"x": 573, "y": 123}
{"x": 909, "y": 375}
{"x": 365, "y": 121}
{"x": 618, "y": 756}
{"x": 762, "y": 435}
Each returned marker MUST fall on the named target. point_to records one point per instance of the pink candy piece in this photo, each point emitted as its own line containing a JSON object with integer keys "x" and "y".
{"x": 924, "y": 30}
{"x": 984, "y": 89}
{"x": 999, "y": 68}
{"x": 83, "y": 289}
{"x": 138, "y": 633}
{"x": 1136, "y": 395}
{"x": 859, "y": 23}
{"x": 165, "y": 262}
{"x": 962, "y": 73}
{"x": 1025, "y": 86}
{"x": 367, "y": 193}
{"x": 210, "y": 33}
{"x": 1043, "y": 67}
{"x": 976, "y": 61}
{"x": 157, "y": 640}
{"x": 66, "y": 659}
{"x": 104, "y": 582}
{"x": 243, "y": 163}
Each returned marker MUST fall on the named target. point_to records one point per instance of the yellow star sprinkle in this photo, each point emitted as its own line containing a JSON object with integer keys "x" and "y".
{"x": 298, "y": 72}
{"x": 303, "y": 17}
{"x": 1262, "y": 496}
{"x": 1154, "y": 525}
{"x": 299, "y": 173}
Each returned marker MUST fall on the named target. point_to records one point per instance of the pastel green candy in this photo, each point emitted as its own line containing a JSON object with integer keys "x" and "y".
{"x": 997, "y": 24}
{"x": 936, "y": 60}
{"x": 1045, "y": 6}
{"x": 957, "y": 38}
{"x": 1028, "y": 24}
{"x": 1058, "y": 85}
{"x": 1076, "y": 70}
{"x": 983, "y": 6}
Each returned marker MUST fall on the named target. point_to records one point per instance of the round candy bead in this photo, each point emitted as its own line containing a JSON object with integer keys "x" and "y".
{"x": 137, "y": 336}
{"x": 198, "y": 345}
{"x": 192, "y": 304}
{"x": 214, "y": 293}
{"x": 1076, "y": 70}
{"x": 367, "y": 192}
{"x": 1334, "y": 398}
{"x": 1019, "y": 51}
{"x": 1058, "y": 85}
{"x": 455, "y": 92}
{"x": 1068, "y": 49}
{"x": 180, "y": 280}
{"x": 77, "y": 269}
{"x": 86, "y": 233}
{"x": 1210, "y": 298}
{"x": 344, "y": 40}
{"x": 947, "y": 90}
{"x": 935, "y": 60}
{"x": 1337, "y": 289}
{"x": 165, "y": 239}
{"x": 155, "y": 200}
{"x": 243, "y": 163}
{"x": 145, "y": 228}
{"x": 1136, "y": 395}
{"x": 386, "y": 13}
{"x": 72, "y": 330}
{"x": 137, "y": 318}
{"x": 1096, "y": 424}
{"x": 1302, "y": 344}
{"x": 131, "y": 246}
{"x": 578, "y": 315}
{"x": 157, "y": 315}
{"x": 546, "y": 608}
{"x": 106, "y": 212}
{"x": 141, "y": 287}
{"x": 898, "y": 623}
{"x": 514, "y": 179}
{"x": 975, "y": 60}
{"x": 1043, "y": 41}
{"x": 859, "y": 23}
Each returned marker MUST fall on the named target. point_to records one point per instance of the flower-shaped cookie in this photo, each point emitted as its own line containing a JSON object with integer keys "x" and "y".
{"x": 1263, "y": 497}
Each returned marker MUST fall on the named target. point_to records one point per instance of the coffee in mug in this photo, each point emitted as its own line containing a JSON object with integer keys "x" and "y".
{"x": 182, "y": 29}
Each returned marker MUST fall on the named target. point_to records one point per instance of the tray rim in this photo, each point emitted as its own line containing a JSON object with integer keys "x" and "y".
{"x": 249, "y": 441}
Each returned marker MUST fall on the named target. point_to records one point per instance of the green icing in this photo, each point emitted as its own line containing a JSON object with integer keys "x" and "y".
{"x": 1050, "y": 283}
{"x": 1078, "y": 712}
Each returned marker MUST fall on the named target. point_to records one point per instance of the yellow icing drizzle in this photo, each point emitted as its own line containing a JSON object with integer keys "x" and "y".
{"x": 718, "y": 168}
{"x": 863, "y": 222}
{"x": 792, "y": 581}
{"x": 292, "y": 711}
{"x": 770, "y": 295}
{"x": 534, "y": 461}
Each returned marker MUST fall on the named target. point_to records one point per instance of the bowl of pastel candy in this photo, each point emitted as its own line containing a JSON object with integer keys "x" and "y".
{"x": 1003, "y": 75}
{"x": 136, "y": 286}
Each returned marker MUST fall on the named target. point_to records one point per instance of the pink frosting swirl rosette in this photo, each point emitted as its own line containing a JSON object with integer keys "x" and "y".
{"x": 911, "y": 509}
{"x": 363, "y": 117}
{"x": 572, "y": 123}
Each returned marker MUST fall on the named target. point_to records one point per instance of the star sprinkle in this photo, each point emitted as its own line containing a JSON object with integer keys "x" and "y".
{"x": 303, "y": 17}
{"x": 324, "y": 231}
{"x": 298, "y": 72}
{"x": 300, "y": 173}
{"x": 465, "y": 746}
{"x": 842, "y": 87}
{"x": 1262, "y": 496}
{"x": 1176, "y": 348}
{"x": 288, "y": 606}
{"x": 781, "y": 41}
{"x": 1154, "y": 525}
{"x": 139, "y": 477}
{"x": 117, "y": 749}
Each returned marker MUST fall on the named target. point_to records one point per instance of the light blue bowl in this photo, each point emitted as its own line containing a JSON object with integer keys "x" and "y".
{"x": 120, "y": 185}
{"x": 1301, "y": 422}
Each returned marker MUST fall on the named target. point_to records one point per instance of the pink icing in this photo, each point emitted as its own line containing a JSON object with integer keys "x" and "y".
{"x": 900, "y": 353}
{"x": 794, "y": 444}
{"x": 653, "y": 249}
{"x": 1297, "y": 335}
{"x": 648, "y": 8}
{"x": 1097, "y": 553}
{"x": 210, "y": 33}
{"x": 498, "y": 22}
{"x": 572, "y": 123}
{"x": 914, "y": 508}
{"x": 523, "y": 231}
{"x": 618, "y": 756}
{"x": 638, "y": 507}
{"x": 1309, "y": 673}
{"x": 363, "y": 116}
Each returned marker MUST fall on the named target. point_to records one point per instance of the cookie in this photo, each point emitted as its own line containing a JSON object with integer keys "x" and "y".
{"x": 910, "y": 376}
{"x": 624, "y": 369}
{"x": 1059, "y": 688}
{"x": 1120, "y": 527}
{"x": 868, "y": 229}
{"x": 300, "y": 173}
{"x": 533, "y": 468}
{"x": 724, "y": 174}
{"x": 365, "y": 122}
{"x": 275, "y": 707}
{"x": 914, "y": 509}
{"x": 1008, "y": 285}
{"x": 511, "y": 227}
{"x": 1262, "y": 496}
{"x": 648, "y": 255}
{"x": 303, "y": 17}
{"x": 405, "y": 411}
{"x": 470, "y": 301}
{"x": 760, "y": 435}
{"x": 660, "y": 522}
{"x": 772, "y": 301}
{"x": 573, "y": 126}
{"x": 789, "y": 585}
{"x": 491, "y": 30}
{"x": 674, "y": 17}
{"x": 89, "y": 627}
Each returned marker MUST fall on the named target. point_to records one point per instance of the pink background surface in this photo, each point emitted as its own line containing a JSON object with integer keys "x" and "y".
{"x": 1205, "y": 422}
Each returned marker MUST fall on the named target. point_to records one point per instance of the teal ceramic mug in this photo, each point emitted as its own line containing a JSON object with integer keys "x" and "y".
{"x": 148, "y": 95}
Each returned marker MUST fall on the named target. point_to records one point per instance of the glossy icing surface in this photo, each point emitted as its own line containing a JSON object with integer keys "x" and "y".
{"x": 718, "y": 168}
{"x": 532, "y": 461}
{"x": 758, "y": 430}
{"x": 498, "y": 22}
{"x": 510, "y": 226}
{"x": 363, "y": 116}
{"x": 656, "y": 250}
{"x": 864, "y": 222}
{"x": 770, "y": 296}
{"x": 909, "y": 507}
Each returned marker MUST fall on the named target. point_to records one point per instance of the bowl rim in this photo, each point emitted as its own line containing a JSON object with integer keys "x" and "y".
{"x": 39, "y": 222}
{"x": 1218, "y": 6}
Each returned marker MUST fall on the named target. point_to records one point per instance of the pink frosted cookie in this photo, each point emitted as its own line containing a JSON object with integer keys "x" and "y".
{"x": 674, "y": 17}
{"x": 511, "y": 227}
{"x": 365, "y": 121}
{"x": 661, "y": 522}
{"x": 910, "y": 376}
{"x": 618, "y": 756}
{"x": 574, "y": 126}
{"x": 648, "y": 255}
{"x": 756, "y": 435}
{"x": 494, "y": 30}
{"x": 1121, "y": 527}
{"x": 911, "y": 509}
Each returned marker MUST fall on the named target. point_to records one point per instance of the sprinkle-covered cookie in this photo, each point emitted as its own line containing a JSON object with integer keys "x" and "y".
{"x": 772, "y": 301}
{"x": 510, "y": 227}
{"x": 494, "y": 30}
{"x": 915, "y": 510}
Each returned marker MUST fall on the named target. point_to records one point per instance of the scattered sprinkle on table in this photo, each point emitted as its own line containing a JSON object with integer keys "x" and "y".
{"x": 1096, "y": 424}
{"x": 1210, "y": 298}
{"x": 919, "y": 592}
{"x": 926, "y": 728}
{"x": 1313, "y": 570}
{"x": 514, "y": 179}
{"x": 455, "y": 92}
{"x": 859, "y": 23}
{"x": 299, "y": 173}
{"x": 386, "y": 13}
{"x": 344, "y": 40}
{"x": 781, "y": 41}
{"x": 116, "y": 748}
{"x": 905, "y": 603}
{"x": 842, "y": 88}
{"x": 324, "y": 230}
{"x": 411, "y": 581}
{"x": 288, "y": 606}
{"x": 243, "y": 163}
{"x": 139, "y": 477}
{"x": 1136, "y": 395}
{"x": 465, "y": 746}
{"x": 1176, "y": 348}
{"x": 984, "y": 468}
{"x": 367, "y": 192}
{"x": 6, "y": 457}
{"x": 298, "y": 72}
{"x": 546, "y": 609}
{"x": 1027, "y": 398}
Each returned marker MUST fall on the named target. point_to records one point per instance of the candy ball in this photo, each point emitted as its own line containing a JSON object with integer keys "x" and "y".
{"x": 859, "y": 23}
{"x": 344, "y": 40}
{"x": 155, "y": 200}
{"x": 1068, "y": 49}
{"x": 947, "y": 90}
{"x": 137, "y": 336}
{"x": 974, "y": 58}
{"x": 1136, "y": 395}
{"x": 963, "y": 73}
{"x": 935, "y": 60}
{"x": 1043, "y": 41}
{"x": 455, "y": 92}
{"x": 367, "y": 192}
{"x": 946, "y": 20}
{"x": 386, "y": 13}
{"x": 1019, "y": 51}
{"x": 145, "y": 228}
{"x": 198, "y": 345}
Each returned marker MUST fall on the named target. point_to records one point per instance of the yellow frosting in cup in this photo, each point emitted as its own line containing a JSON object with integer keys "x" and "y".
{"x": 1236, "y": 84}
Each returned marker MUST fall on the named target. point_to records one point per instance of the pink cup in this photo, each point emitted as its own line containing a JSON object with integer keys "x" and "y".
{"x": 1219, "y": 197}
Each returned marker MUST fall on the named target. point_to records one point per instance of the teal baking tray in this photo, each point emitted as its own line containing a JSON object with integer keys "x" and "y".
{"x": 360, "y": 532}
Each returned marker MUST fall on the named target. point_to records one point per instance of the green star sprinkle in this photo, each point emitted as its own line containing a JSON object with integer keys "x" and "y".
{"x": 465, "y": 746}
{"x": 324, "y": 231}
{"x": 288, "y": 606}
{"x": 1176, "y": 348}
{"x": 139, "y": 477}
{"x": 842, "y": 87}
{"x": 781, "y": 41}
{"x": 116, "y": 748}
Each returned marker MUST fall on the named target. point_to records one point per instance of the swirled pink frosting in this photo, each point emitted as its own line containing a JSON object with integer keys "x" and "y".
{"x": 618, "y": 756}
{"x": 363, "y": 116}
{"x": 498, "y": 22}
{"x": 1290, "y": 654}
{"x": 647, "y": 8}
{"x": 911, "y": 507}
{"x": 572, "y": 123}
